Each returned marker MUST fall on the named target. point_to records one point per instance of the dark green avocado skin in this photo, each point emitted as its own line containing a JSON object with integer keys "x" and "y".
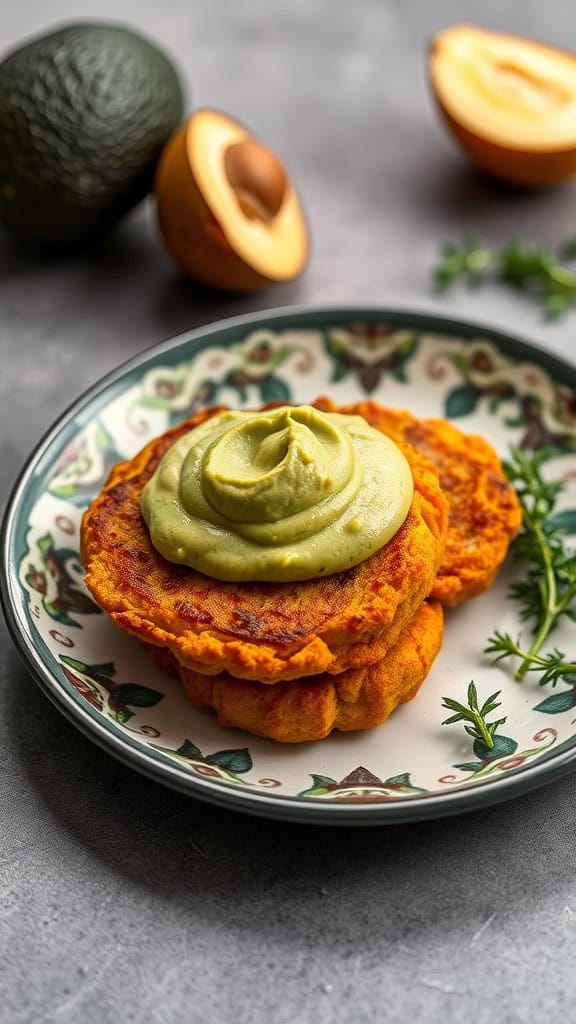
{"x": 84, "y": 114}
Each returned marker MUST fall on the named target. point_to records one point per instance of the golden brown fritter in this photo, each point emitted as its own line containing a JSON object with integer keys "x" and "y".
{"x": 484, "y": 512}
{"x": 309, "y": 709}
{"x": 261, "y": 631}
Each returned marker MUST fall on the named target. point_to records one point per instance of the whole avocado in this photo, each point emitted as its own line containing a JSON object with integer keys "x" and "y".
{"x": 84, "y": 114}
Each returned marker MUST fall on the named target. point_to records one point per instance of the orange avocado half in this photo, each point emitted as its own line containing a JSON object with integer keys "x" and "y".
{"x": 227, "y": 211}
{"x": 510, "y": 102}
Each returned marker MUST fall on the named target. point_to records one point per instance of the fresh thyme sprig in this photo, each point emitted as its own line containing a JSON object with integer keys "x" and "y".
{"x": 548, "y": 591}
{"x": 478, "y": 727}
{"x": 530, "y": 268}
{"x": 553, "y": 666}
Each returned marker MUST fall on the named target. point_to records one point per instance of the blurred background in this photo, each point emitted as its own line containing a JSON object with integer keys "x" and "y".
{"x": 340, "y": 92}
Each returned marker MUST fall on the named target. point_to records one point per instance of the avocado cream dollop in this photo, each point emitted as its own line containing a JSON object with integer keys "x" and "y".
{"x": 287, "y": 494}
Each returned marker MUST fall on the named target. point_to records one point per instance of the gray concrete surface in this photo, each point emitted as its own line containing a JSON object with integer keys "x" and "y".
{"x": 120, "y": 900}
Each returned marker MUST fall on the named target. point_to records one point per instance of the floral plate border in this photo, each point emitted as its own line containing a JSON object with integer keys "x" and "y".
{"x": 487, "y": 370}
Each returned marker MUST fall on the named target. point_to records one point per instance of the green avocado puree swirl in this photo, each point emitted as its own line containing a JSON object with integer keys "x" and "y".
{"x": 287, "y": 494}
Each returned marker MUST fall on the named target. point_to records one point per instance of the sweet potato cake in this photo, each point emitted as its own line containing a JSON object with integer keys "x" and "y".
{"x": 261, "y": 631}
{"x": 294, "y": 660}
{"x": 300, "y": 710}
{"x": 484, "y": 513}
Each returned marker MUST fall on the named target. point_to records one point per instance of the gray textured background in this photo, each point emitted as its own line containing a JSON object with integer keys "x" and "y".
{"x": 122, "y": 901}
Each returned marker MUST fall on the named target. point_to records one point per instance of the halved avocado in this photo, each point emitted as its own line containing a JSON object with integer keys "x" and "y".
{"x": 227, "y": 210}
{"x": 510, "y": 102}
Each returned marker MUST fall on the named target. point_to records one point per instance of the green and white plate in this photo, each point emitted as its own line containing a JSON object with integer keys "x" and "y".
{"x": 409, "y": 768}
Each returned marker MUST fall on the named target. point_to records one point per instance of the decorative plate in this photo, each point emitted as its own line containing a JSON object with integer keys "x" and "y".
{"x": 410, "y": 767}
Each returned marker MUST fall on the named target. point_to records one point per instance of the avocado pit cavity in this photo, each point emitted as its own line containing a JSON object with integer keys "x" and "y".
{"x": 257, "y": 178}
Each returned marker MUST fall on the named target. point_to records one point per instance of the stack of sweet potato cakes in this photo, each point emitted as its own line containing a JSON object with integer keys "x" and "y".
{"x": 292, "y": 661}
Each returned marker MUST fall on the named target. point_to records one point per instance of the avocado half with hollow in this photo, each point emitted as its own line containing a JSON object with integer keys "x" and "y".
{"x": 227, "y": 210}
{"x": 510, "y": 102}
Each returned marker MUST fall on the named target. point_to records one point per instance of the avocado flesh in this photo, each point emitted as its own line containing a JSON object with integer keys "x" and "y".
{"x": 84, "y": 114}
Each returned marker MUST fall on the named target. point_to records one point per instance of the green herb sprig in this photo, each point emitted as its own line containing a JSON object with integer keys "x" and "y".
{"x": 548, "y": 591}
{"x": 535, "y": 269}
{"x": 477, "y": 726}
